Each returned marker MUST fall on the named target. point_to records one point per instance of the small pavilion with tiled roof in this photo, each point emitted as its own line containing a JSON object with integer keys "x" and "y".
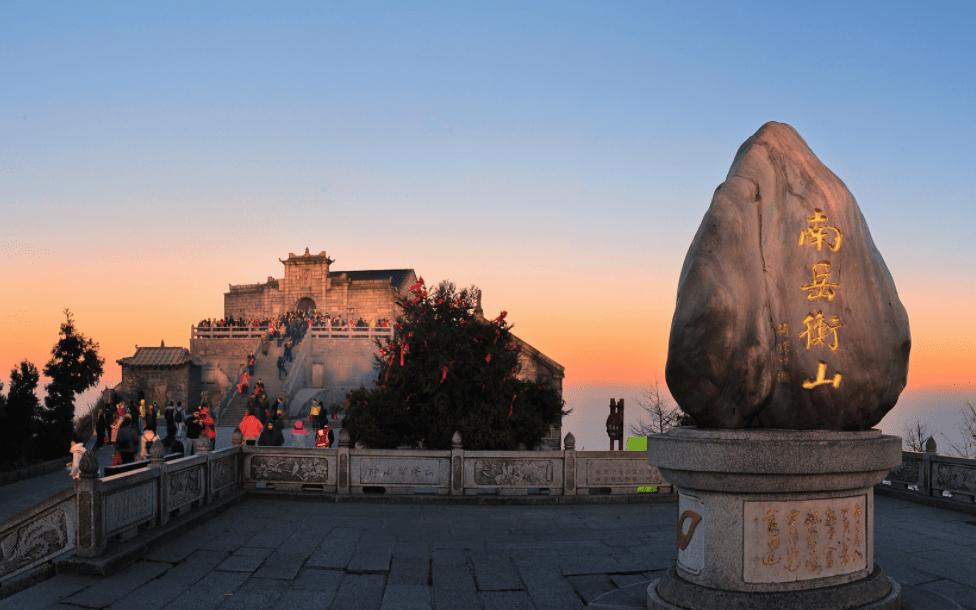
{"x": 161, "y": 374}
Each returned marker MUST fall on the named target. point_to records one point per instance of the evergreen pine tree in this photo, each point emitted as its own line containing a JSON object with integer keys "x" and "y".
{"x": 448, "y": 370}
{"x": 75, "y": 366}
{"x": 17, "y": 446}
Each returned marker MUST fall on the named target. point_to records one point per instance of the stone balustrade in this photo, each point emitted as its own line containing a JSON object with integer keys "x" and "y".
{"x": 320, "y": 331}
{"x": 930, "y": 474}
{"x": 99, "y": 511}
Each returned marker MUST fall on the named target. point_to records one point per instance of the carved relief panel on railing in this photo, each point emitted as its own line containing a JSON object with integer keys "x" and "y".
{"x": 513, "y": 472}
{"x": 956, "y": 478}
{"x": 907, "y": 473}
{"x": 223, "y": 472}
{"x": 184, "y": 486}
{"x": 128, "y": 507}
{"x": 39, "y": 539}
{"x": 288, "y": 468}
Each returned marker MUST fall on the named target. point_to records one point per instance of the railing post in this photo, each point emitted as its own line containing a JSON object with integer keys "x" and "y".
{"x": 203, "y": 448}
{"x": 569, "y": 465}
{"x": 925, "y": 472}
{"x": 157, "y": 455}
{"x": 342, "y": 468}
{"x": 457, "y": 465}
{"x": 90, "y": 541}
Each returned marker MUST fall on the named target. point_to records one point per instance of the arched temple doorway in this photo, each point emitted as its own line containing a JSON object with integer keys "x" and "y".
{"x": 305, "y": 304}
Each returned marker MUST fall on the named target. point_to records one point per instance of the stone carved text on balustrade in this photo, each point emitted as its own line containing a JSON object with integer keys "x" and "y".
{"x": 621, "y": 472}
{"x": 957, "y": 478}
{"x": 223, "y": 472}
{"x": 184, "y": 486}
{"x": 907, "y": 472}
{"x": 803, "y": 540}
{"x": 129, "y": 506}
{"x": 289, "y": 468}
{"x": 513, "y": 472}
{"x": 373, "y": 471}
{"x": 38, "y": 539}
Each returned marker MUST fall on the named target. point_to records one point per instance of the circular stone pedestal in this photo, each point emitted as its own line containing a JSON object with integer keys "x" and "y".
{"x": 774, "y": 519}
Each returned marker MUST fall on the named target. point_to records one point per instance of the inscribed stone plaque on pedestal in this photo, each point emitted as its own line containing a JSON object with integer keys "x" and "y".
{"x": 786, "y": 316}
{"x": 789, "y": 541}
{"x": 691, "y": 533}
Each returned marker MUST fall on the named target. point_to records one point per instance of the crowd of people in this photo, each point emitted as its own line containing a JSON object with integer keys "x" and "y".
{"x": 295, "y": 323}
{"x": 131, "y": 429}
{"x": 265, "y": 425}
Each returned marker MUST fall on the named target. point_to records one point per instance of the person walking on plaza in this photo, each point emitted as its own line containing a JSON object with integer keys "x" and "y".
{"x": 298, "y": 435}
{"x": 147, "y": 439}
{"x": 324, "y": 437}
{"x": 173, "y": 445}
{"x": 250, "y": 428}
{"x": 100, "y": 427}
{"x": 77, "y": 450}
{"x": 127, "y": 440}
{"x": 169, "y": 416}
{"x": 179, "y": 416}
{"x": 271, "y": 435}
{"x": 193, "y": 430}
{"x": 203, "y": 414}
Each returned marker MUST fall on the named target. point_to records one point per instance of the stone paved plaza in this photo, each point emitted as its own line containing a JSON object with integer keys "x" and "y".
{"x": 265, "y": 553}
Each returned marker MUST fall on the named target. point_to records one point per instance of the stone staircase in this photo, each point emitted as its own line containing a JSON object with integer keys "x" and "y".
{"x": 265, "y": 369}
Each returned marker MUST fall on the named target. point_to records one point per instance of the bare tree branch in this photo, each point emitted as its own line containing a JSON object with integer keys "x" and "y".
{"x": 914, "y": 435}
{"x": 660, "y": 413}
{"x": 966, "y": 426}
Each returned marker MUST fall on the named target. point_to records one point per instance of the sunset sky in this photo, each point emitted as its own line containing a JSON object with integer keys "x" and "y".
{"x": 558, "y": 156}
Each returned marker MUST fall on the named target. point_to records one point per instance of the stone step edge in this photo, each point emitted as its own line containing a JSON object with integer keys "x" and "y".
{"x": 485, "y": 500}
{"x": 122, "y": 554}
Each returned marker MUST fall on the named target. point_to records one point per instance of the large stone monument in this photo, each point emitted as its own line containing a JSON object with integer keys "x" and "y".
{"x": 788, "y": 343}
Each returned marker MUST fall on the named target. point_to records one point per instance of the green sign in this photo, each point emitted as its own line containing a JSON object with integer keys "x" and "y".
{"x": 638, "y": 443}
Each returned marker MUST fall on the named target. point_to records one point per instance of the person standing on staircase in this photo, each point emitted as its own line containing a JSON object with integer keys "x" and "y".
{"x": 281, "y": 367}
{"x": 288, "y": 344}
{"x": 250, "y": 364}
{"x": 315, "y": 414}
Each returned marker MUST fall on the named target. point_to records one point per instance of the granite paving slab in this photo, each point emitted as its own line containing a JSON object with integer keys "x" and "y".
{"x": 359, "y": 592}
{"x": 495, "y": 572}
{"x": 372, "y": 555}
{"x": 255, "y": 594}
{"x": 406, "y": 597}
{"x": 336, "y": 549}
{"x": 301, "y": 599}
{"x": 506, "y": 600}
{"x": 592, "y": 586}
{"x": 326, "y": 582}
{"x": 409, "y": 571}
{"x": 547, "y": 588}
{"x": 52, "y": 591}
{"x": 156, "y": 593}
{"x": 244, "y": 559}
{"x": 209, "y": 592}
{"x": 119, "y": 585}
{"x": 454, "y": 587}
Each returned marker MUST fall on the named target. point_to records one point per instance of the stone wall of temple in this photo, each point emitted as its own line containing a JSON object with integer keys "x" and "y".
{"x": 161, "y": 384}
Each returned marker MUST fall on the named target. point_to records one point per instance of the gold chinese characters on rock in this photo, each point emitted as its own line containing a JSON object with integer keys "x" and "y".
{"x": 788, "y": 541}
{"x": 820, "y": 330}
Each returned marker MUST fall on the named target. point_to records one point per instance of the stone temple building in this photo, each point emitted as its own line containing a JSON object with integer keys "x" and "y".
{"x": 326, "y": 365}
{"x": 161, "y": 374}
{"x": 310, "y": 284}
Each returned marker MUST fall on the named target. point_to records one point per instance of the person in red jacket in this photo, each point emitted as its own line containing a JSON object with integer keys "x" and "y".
{"x": 250, "y": 428}
{"x": 203, "y": 416}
